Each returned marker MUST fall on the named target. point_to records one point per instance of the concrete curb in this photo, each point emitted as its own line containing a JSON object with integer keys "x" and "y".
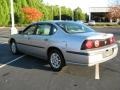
{"x": 4, "y": 27}
{"x": 5, "y": 36}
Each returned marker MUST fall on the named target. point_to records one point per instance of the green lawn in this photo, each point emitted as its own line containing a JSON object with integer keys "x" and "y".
{"x": 107, "y": 24}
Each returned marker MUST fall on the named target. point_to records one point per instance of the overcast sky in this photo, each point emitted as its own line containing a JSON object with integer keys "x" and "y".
{"x": 84, "y": 4}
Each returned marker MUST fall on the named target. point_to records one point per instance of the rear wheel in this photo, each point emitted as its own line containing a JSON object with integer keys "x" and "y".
{"x": 56, "y": 60}
{"x": 13, "y": 47}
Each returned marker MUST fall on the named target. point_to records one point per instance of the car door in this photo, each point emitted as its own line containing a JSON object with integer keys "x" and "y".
{"x": 23, "y": 41}
{"x": 42, "y": 38}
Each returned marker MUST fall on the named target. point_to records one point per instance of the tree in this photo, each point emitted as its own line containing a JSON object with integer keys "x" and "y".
{"x": 20, "y": 17}
{"x": 56, "y": 12}
{"x": 78, "y": 14}
{"x": 27, "y": 11}
{"x": 32, "y": 14}
{"x": 4, "y": 12}
{"x": 48, "y": 11}
{"x": 66, "y": 13}
{"x": 114, "y": 12}
{"x": 86, "y": 17}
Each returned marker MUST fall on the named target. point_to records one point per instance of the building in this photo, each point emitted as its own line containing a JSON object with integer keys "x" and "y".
{"x": 99, "y": 14}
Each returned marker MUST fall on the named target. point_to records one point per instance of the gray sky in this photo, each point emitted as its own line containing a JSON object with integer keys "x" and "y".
{"x": 84, "y": 4}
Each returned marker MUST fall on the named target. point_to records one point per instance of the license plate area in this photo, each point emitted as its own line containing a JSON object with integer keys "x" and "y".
{"x": 107, "y": 53}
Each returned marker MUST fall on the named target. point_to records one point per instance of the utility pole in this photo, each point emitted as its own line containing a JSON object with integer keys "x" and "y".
{"x": 52, "y": 13}
{"x": 73, "y": 15}
{"x": 13, "y": 29}
{"x": 59, "y": 12}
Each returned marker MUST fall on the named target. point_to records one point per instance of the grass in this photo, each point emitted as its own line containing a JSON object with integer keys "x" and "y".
{"x": 106, "y": 24}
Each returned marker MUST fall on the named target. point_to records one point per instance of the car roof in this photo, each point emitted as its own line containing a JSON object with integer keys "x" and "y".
{"x": 53, "y": 21}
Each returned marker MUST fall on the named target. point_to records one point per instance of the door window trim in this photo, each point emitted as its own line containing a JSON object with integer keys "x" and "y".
{"x": 51, "y": 28}
{"x": 28, "y": 28}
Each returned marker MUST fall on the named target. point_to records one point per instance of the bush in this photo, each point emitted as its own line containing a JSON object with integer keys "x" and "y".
{"x": 106, "y": 24}
{"x": 32, "y": 14}
{"x": 119, "y": 23}
{"x": 4, "y": 13}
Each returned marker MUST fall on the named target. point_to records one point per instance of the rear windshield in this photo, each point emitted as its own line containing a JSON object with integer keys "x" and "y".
{"x": 74, "y": 27}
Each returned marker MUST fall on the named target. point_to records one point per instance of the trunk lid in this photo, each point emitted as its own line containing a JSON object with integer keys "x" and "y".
{"x": 94, "y": 35}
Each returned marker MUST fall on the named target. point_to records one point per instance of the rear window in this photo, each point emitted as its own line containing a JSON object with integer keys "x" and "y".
{"x": 74, "y": 27}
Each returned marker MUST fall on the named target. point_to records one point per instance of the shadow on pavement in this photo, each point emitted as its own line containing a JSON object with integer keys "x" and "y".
{"x": 27, "y": 62}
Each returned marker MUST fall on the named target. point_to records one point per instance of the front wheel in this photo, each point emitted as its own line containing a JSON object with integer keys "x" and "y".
{"x": 13, "y": 47}
{"x": 56, "y": 60}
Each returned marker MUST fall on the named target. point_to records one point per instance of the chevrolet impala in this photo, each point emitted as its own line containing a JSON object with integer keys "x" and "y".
{"x": 64, "y": 42}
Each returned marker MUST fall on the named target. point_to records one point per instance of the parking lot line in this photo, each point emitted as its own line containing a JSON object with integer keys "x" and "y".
{"x": 3, "y": 42}
{"x": 118, "y": 41}
{"x": 1, "y": 66}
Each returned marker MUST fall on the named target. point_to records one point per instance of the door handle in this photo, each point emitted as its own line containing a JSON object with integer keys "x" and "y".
{"x": 28, "y": 38}
{"x": 25, "y": 35}
{"x": 45, "y": 39}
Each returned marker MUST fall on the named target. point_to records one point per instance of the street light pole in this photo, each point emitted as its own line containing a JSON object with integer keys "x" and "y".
{"x": 59, "y": 12}
{"x": 13, "y": 29}
{"x": 73, "y": 15}
{"x": 52, "y": 13}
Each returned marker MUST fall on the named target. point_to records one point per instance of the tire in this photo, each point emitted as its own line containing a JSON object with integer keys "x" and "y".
{"x": 13, "y": 47}
{"x": 56, "y": 60}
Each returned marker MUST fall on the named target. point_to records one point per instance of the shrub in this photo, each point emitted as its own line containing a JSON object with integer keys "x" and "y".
{"x": 119, "y": 23}
{"x": 32, "y": 14}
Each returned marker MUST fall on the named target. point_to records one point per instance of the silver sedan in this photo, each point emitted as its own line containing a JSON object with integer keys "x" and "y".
{"x": 63, "y": 42}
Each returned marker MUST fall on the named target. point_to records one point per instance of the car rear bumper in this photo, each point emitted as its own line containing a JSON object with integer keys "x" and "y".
{"x": 93, "y": 57}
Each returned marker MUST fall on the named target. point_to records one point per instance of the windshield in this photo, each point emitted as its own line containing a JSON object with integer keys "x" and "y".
{"x": 74, "y": 27}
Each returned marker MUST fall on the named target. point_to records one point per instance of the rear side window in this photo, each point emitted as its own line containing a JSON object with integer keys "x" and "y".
{"x": 45, "y": 29}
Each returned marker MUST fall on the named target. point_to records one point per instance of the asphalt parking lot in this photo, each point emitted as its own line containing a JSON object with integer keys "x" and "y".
{"x": 22, "y": 72}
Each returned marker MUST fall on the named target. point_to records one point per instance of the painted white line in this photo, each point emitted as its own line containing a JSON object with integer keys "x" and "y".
{"x": 11, "y": 61}
{"x": 118, "y": 41}
{"x": 2, "y": 28}
{"x": 3, "y": 42}
{"x": 76, "y": 63}
{"x": 97, "y": 76}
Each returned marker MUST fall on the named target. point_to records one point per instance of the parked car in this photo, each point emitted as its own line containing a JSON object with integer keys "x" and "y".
{"x": 91, "y": 22}
{"x": 64, "y": 42}
{"x": 118, "y": 23}
{"x": 80, "y": 21}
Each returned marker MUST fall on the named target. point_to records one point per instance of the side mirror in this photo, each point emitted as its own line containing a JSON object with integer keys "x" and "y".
{"x": 20, "y": 32}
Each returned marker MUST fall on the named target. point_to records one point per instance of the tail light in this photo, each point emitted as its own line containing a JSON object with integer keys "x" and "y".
{"x": 112, "y": 40}
{"x": 89, "y": 44}
{"x": 97, "y": 43}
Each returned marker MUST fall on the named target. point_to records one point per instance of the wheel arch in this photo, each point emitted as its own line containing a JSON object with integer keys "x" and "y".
{"x": 11, "y": 40}
{"x": 55, "y": 48}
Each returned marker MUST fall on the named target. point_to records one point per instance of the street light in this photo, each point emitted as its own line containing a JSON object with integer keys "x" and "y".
{"x": 13, "y": 29}
{"x": 52, "y": 12}
{"x": 73, "y": 14}
{"x": 59, "y": 12}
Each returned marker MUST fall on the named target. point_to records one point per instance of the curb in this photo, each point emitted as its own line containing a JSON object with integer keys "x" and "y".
{"x": 5, "y": 36}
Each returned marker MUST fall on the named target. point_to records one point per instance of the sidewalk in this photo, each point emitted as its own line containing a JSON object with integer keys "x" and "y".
{"x": 5, "y": 31}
